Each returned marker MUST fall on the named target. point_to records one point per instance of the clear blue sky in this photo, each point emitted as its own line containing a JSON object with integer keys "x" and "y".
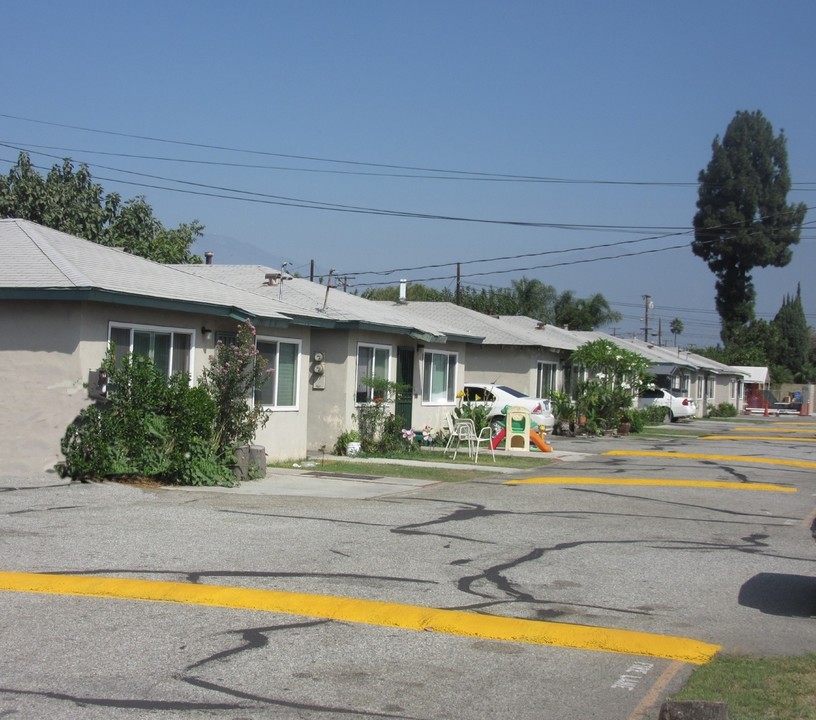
{"x": 591, "y": 91}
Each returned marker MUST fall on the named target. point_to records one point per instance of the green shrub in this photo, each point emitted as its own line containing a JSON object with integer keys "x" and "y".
{"x": 723, "y": 410}
{"x": 653, "y": 415}
{"x": 343, "y": 439}
{"x": 162, "y": 428}
{"x": 149, "y": 426}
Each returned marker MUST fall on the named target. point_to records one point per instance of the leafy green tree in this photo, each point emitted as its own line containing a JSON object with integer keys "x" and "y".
{"x": 535, "y": 299}
{"x": 583, "y": 314}
{"x": 416, "y": 292}
{"x": 676, "y": 328}
{"x": 615, "y": 375}
{"x": 526, "y": 296}
{"x": 752, "y": 344}
{"x": 743, "y": 220}
{"x": 68, "y": 199}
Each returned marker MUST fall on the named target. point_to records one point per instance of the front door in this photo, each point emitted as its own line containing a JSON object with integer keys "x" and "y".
{"x": 403, "y": 405}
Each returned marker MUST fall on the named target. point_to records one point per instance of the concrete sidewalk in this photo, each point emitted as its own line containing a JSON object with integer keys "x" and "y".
{"x": 306, "y": 479}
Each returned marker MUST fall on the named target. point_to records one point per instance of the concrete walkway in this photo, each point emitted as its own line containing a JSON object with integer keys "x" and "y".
{"x": 308, "y": 480}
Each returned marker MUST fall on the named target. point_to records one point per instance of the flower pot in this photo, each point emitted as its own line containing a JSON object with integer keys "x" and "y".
{"x": 624, "y": 428}
{"x": 353, "y": 448}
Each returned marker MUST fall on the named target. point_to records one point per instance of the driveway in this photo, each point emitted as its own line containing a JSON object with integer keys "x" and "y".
{"x": 573, "y": 592}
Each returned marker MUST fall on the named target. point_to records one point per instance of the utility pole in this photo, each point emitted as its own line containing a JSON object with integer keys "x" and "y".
{"x": 458, "y": 284}
{"x": 649, "y": 305}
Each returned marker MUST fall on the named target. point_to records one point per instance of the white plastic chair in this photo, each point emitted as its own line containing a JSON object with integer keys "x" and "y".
{"x": 464, "y": 429}
{"x": 485, "y": 436}
{"x": 451, "y": 421}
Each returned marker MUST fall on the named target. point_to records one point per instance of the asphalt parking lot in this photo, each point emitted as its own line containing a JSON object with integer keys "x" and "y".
{"x": 590, "y": 588}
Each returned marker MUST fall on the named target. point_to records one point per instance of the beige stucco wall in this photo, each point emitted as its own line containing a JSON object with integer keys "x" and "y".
{"x": 48, "y": 349}
{"x": 41, "y": 376}
{"x": 516, "y": 367}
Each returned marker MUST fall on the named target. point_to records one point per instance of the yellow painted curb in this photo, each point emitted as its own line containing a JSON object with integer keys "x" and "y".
{"x": 704, "y": 456}
{"x": 369, "y": 612}
{"x": 775, "y": 438}
{"x": 663, "y": 482}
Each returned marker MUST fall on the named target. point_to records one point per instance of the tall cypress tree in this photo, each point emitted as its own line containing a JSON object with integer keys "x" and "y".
{"x": 794, "y": 340}
{"x": 743, "y": 220}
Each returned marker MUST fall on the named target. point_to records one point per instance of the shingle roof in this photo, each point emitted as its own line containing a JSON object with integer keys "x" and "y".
{"x": 298, "y": 297}
{"x": 40, "y": 258}
{"x": 504, "y": 330}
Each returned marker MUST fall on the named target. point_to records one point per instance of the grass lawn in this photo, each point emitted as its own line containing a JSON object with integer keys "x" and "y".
{"x": 757, "y": 688}
{"x": 422, "y": 465}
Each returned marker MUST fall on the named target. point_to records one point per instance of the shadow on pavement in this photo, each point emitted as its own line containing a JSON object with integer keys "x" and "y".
{"x": 780, "y": 594}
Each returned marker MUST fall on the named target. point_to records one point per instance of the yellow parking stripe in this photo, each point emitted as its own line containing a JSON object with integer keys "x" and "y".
{"x": 757, "y": 437}
{"x": 723, "y": 485}
{"x": 791, "y": 430}
{"x": 703, "y": 456}
{"x": 369, "y": 612}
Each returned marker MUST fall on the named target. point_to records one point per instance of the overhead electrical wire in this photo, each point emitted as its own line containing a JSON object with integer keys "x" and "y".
{"x": 268, "y": 198}
{"x": 311, "y": 158}
{"x": 440, "y": 173}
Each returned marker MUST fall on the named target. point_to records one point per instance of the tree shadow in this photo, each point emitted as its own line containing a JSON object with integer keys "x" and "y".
{"x": 780, "y": 594}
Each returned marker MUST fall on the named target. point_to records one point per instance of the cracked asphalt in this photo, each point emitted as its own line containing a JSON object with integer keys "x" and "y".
{"x": 729, "y": 567}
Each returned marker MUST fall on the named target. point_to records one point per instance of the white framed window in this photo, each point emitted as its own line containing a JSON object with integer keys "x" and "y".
{"x": 685, "y": 384}
{"x": 700, "y": 383}
{"x": 710, "y": 386}
{"x": 545, "y": 379}
{"x": 373, "y": 361}
{"x": 439, "y": 373}
{"x": 282, "y": 357}
{"x": 170, "y": 349}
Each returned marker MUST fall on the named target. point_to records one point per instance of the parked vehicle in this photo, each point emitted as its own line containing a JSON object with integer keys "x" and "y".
{"x": 679, "y": 405}
{"x": 497, "y": 397}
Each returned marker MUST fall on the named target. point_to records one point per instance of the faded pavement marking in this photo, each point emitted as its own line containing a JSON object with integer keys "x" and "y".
{"x": 369, "y": 612}
{"x": 703, "y": 456}
{"x": 663, "y": 482}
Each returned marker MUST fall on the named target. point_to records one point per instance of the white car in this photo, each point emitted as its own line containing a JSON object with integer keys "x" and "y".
{"x": 497, "y": 397}
{"x": 679, "y": 405}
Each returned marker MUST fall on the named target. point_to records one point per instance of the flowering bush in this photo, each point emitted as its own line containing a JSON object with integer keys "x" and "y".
{"x": 614, "y": 375}
{"x": 237, "y": 372}
{"x": 163, "y": 428}
{"x": 375, "y": 423}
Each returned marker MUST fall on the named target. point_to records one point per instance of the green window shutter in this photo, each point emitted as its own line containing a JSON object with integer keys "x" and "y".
{"x": 451, "y": 379}
{"x": 287, "y": 374}
{"x": 269, "y": 352}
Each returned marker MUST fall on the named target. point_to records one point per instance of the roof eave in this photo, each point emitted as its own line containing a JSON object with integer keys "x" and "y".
{"x": 99, "y": 295}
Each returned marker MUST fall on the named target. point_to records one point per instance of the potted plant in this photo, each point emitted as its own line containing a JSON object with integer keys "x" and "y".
{"x": 624, "y": 424}
{"x": 348, "y": 443}
{"x": 564, "y": 412}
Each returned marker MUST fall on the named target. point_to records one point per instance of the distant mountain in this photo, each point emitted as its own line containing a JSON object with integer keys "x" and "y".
{"x": 231, "y": 251}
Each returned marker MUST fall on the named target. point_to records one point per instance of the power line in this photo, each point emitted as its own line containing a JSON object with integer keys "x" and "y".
{"x": 464, "y": 174}
{"x": 282, "y": 200}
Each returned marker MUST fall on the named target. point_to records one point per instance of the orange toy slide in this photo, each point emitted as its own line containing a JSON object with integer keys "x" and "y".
{"x": 538, "y": 441}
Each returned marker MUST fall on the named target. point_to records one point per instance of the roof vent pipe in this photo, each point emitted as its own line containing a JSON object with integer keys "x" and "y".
{"x": 208, "y": 257}
{"x": 403, "y": 291}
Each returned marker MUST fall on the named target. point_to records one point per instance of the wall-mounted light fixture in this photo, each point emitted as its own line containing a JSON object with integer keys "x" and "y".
{"x": 206, "y": 332}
